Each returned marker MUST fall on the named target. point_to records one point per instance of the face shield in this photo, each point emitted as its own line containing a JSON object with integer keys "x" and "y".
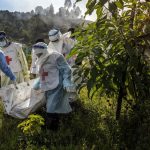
{"x": 40, "y": 49}
{"x": 54, "y": 35}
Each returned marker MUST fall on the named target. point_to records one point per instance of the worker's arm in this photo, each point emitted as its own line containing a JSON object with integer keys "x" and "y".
{"x": 4, "y": 67}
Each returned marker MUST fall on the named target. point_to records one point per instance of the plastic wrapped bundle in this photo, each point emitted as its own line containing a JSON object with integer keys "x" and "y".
{"x": 21, "y": 101}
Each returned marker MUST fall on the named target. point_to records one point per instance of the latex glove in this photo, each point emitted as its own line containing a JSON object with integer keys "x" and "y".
{"x": 15, "y": 84}
{"x": 70, "y": 89}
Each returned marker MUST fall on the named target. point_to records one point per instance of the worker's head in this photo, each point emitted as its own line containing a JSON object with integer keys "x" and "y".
{"x": 3, "y": 39}
{"x": 40, "y": 49}
{"x": 54, "y": 35}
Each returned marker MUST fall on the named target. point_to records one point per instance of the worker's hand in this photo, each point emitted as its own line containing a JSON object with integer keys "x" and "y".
{"x": 15, "y": 84}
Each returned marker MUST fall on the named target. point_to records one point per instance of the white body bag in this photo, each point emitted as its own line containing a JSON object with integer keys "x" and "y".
{"x": 20, "y": 102}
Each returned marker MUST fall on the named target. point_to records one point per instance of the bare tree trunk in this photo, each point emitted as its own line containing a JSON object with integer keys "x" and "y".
{"x": 120, "y": 96}
{"x": 132, "y": 16}
{"x": 121, "y": 91}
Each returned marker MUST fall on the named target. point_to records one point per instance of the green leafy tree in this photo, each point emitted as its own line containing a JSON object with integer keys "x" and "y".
{"x": 113, "y": 51}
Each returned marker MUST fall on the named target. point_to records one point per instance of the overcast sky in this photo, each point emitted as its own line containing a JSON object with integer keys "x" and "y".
{"x": 28, "y": 5}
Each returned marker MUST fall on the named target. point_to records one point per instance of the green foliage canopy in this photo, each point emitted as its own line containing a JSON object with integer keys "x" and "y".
{"x": 113, "y": 51}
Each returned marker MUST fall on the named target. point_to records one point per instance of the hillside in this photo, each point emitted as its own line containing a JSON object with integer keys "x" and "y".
{"x": 23, "y": 27}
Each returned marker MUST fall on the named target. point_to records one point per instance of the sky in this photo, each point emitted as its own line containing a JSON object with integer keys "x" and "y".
{"x": 28, "y": 5}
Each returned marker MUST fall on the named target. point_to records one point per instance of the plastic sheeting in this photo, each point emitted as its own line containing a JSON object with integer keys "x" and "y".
{"x": 21, "y": 101}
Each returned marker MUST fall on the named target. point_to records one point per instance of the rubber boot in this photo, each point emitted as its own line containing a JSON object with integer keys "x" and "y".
{"x": 52, "y": 121}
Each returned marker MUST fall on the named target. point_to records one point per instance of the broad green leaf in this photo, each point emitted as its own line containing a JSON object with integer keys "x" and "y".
{"x": 119, "y": 4}
{"x": 112, "y": 8}
{"x": 90, "y": 6}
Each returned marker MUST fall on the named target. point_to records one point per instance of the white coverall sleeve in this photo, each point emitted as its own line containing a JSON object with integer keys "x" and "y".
{"x": 23, "y": 62}
{"x": 33, "y": 65}
{"x": 64, "y": 66}
{"x": 68, "y": 42}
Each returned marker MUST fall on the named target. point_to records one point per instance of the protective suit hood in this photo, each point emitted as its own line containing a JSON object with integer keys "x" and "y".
{"x": 54, "y": 35}
{"x": 40, "y": 48}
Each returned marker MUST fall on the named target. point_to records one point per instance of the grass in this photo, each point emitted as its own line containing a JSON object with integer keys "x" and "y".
{"x": 83, "y": 129}
{"x": 91, "y": 126}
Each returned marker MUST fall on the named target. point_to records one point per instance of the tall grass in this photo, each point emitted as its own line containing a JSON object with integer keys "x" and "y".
{"x": 91, "y": 126}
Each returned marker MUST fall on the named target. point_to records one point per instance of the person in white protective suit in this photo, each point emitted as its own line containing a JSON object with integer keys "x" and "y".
{"x": 16, "y": 60}
{"x": 5, "y": 69}
{"x": 55, "y": 81}
{"x": 61, "y": 43}
{"x": 33, "y": 69}
{"x": 69, "y": 46}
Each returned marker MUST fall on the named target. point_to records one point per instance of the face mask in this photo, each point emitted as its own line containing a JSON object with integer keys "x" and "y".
{"x": 3, "y": 43}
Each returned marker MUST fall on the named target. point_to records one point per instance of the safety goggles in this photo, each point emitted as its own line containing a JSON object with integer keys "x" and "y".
{"x": 38, "y": 47}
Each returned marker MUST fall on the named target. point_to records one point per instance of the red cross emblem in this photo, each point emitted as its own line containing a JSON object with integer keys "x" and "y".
{"x": 8, "y": 59}
{"x": 44, "y": 74}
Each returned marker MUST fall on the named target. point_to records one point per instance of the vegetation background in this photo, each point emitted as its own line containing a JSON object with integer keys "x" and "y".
{"x": 113, "y": 111}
